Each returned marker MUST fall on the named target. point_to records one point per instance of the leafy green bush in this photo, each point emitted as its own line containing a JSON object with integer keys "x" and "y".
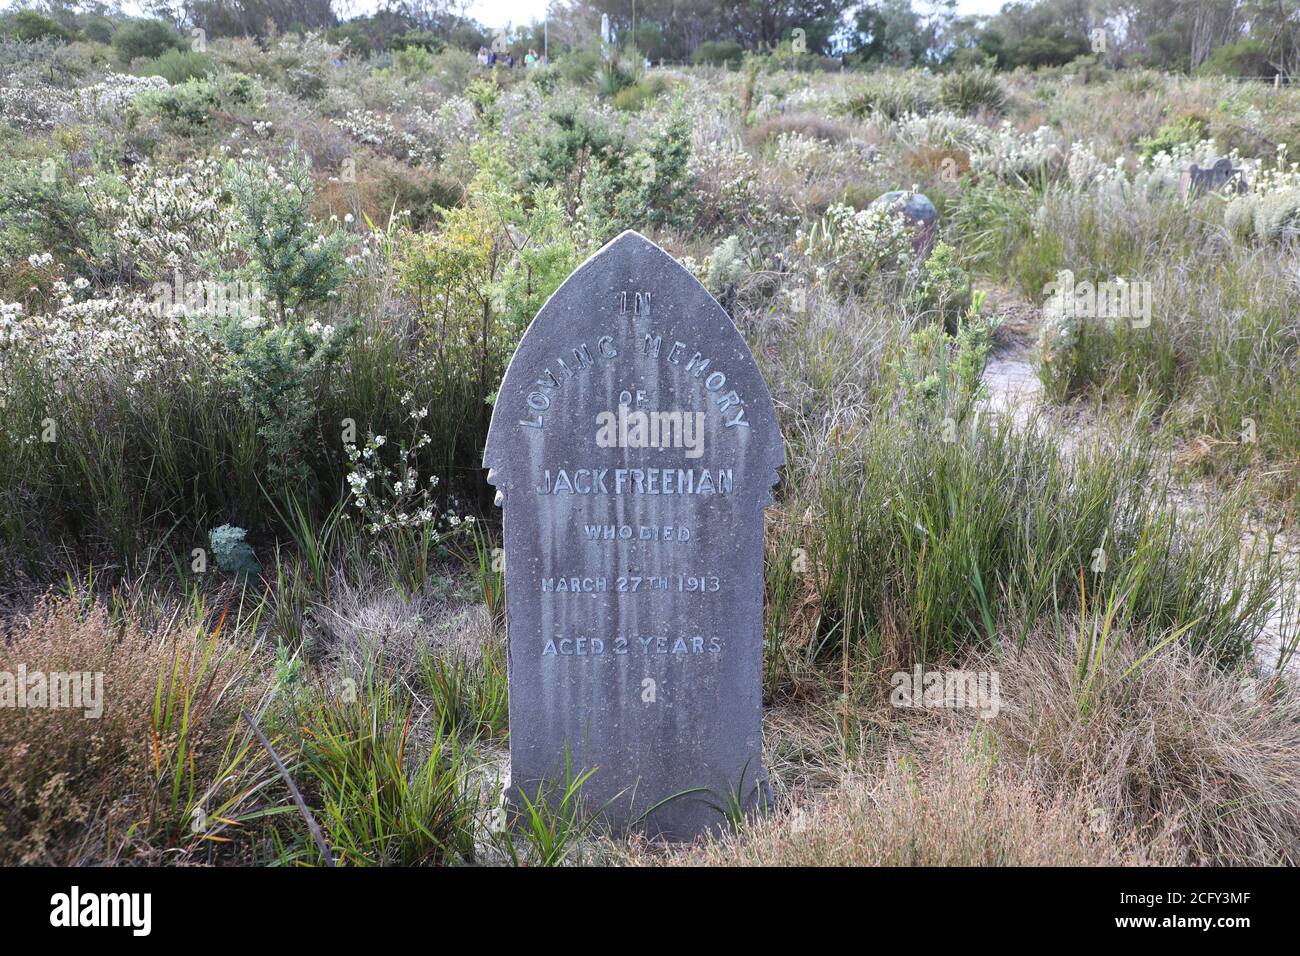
{"x": 29, "y": 26}
{"x": 718, "y": 53}
{"x": 1190, "y": 128}
{"x": 187, "y": 108}
{"x": 648, "y": 185}
{"x": 273, "y": 364}
{"x": 177, "y": 66}
{"x": 305, "y": 81}
{"x": 413, "y": 62}
{"x": 295, "y": 266}
{"x": 1248, "y": 57}
{"x": 634, "y": 98}
{"x": 944, "y": 286}
{"x": 146, "y": 39}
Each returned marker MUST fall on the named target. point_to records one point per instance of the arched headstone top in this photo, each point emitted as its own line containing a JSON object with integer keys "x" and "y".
{"x": 632, "y": 329}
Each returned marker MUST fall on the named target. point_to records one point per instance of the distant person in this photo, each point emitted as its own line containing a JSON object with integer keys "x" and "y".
{"x": 483, "y": 56}
{"x": 530, "y": 59}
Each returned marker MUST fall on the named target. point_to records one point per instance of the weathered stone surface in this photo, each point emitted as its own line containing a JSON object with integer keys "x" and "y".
{"x": 634, "y": 575}
{"x": 919, "y": 212}
{"x": 1219, "y": 176}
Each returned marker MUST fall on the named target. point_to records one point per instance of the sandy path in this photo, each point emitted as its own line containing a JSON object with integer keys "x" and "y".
{"x": 1013, "y": 389}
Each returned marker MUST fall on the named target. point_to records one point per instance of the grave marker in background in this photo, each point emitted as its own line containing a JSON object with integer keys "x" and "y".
{"x": 634, "y": 447}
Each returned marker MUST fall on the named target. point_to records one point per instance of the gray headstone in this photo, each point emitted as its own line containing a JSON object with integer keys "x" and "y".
{"x": 1219, "y": 176}
{"x": 634, "y": 561}
{"x": 919, "y": 212}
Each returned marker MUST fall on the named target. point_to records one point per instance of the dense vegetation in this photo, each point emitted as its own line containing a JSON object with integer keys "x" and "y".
{"x": 255, "y": 300}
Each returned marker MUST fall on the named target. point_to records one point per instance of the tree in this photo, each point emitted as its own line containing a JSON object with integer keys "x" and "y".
{"x": 888, "y": 32}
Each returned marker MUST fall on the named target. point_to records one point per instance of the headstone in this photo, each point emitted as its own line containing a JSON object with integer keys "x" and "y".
{"x": 919, "y": 212}
{"x": 1219, "y": 176}
{"x": 634, "y": 446}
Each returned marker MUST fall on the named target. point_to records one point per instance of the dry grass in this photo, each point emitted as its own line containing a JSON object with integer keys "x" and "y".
{"x": 816, "y": 127}
{"x": 1178, "y": 748}
{"x": 361, "y": 628}
{"x": 1178, "y": 763}
{"x": 76, "y": 790}
{"x": 949, "y": 805}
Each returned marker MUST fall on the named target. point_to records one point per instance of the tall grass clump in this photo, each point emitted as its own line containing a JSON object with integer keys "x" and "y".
{"x": 934, "y": 528}
{"x": 387, "y": 789}
{"x": 929, "y": 547}
{"x": 972, "y": 90}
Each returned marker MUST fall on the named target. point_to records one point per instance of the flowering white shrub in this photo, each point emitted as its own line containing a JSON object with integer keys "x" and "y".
{"x": 11, "y": 328}
{"x": 798, "y": 153}
{"x": 117, "y": 91}
{"x": 941, "y": 130}
{"x": 1012, "y": 155}
{"x": 848, "y": 245}
{"x": 393, "y": 497}
{"x": 35, "y": 109}
{"x": 1161, "y": 172}
{"x": 368, "y": 127}
{"x": 114, "y": 336}
{"x": 1085, "y": 169}
{"x": 163, "y": 221}
{"x": 412, "y": 133}
{"x": 725, "y": 179}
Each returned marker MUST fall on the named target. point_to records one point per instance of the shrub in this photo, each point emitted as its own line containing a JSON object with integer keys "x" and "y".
{"x": 944, "y": 286}
{"x": 83, "y": 58}
{"x": 29, "y": 26}
{"x": 274, "y": 364}
{"x": 1190, "y": 128}
{"x": 813, "y": 127}
{"x": 295, "y": 267}
{"x": 1277, "y": 215}
{"x": 718, "y": 53}
{"x": 968, "y": 91}
{"x": 648, "y": 185}
{"x": 188, "y": 108}
{"x": 580, "y": 65}
{"x": 177, "y": 66}
{"x": 1248, "y": 57}
{"x": 146, "y": 39}
{"x": 413, "y": 62}
{"x": 634, "y": 98}
{"x": 305, "y": 81}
